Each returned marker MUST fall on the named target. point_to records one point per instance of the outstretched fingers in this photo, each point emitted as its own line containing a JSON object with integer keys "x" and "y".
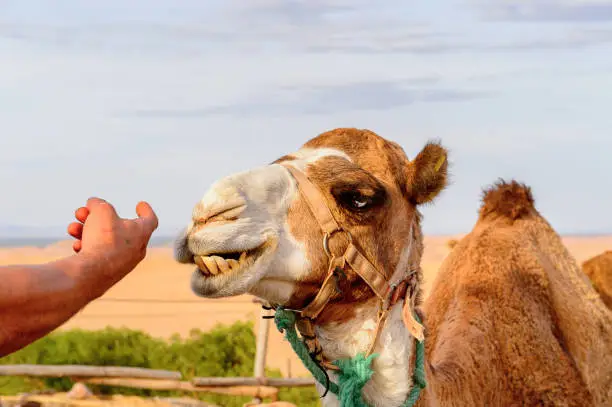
{"x": 75, "y": 229}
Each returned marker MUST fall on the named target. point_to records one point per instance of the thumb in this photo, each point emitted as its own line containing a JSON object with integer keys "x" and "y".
{"x": 147, "y": 216}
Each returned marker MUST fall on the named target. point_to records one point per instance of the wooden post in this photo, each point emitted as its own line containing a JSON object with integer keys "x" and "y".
{"x": 261, "y": 349}
{"x": 262, "y": 345}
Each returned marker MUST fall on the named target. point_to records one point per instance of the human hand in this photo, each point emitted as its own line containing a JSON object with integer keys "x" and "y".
{"x": 103, "y": 236}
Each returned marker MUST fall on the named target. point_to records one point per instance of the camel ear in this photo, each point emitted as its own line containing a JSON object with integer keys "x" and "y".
{"x": 428, "y": 173}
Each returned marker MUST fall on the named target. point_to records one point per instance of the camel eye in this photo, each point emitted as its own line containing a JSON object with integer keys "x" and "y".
{"x": 359, "y": 203}
{"x": 359, "y": 198}
{"x": 355, "y": 201}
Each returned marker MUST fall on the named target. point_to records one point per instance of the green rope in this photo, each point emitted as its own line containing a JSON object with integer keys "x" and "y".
{"x": 285, "y": 322}
{"x": 418, "y": 377}
{"x": 354, "y": 372}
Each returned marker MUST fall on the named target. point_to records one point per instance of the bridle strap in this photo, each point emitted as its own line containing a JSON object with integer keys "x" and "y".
{"x": 316, "y": 201}
{"x": 326, "y": 292}
{"x": 367, "y": 272}
{"x": 358, "y": 262}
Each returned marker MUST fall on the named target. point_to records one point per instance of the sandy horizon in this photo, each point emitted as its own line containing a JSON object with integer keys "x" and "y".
{"x": 156, "y": 297}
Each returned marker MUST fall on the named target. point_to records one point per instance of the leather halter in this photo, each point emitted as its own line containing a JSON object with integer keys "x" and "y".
{"x": 388, "y": 295}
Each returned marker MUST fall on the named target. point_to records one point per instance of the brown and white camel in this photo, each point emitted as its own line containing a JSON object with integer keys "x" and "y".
{"x": 350, "y": 196}
{"x": 599, "y": 271}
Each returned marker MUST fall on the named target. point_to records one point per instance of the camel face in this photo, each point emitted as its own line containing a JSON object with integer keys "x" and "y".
{"x": 238, "y": 236}
{"x": 253, "y": 232}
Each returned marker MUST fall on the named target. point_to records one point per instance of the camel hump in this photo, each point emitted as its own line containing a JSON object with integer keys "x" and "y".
{"x": 511, "y": 200}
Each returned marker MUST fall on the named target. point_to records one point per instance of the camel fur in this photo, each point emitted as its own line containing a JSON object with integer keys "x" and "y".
{"x": 599, "y": 271}
{"x": 512, "y": 320}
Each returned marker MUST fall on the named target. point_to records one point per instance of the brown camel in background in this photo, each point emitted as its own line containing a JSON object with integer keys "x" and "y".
{"x": 512, "y": 320}
{"x": 599, "y": 270}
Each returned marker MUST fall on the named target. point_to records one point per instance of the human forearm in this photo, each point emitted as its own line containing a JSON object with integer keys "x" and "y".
{"x": 36, "y": 299}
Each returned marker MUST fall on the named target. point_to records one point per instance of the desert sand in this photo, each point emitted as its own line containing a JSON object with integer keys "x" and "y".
{"x": 157, "y": 299}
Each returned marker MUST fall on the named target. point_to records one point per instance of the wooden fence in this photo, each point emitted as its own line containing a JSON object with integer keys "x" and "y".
{"x": 259, "y": 386}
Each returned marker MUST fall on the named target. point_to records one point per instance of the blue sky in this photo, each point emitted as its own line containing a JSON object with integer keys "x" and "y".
{"x": 154, "y": 100}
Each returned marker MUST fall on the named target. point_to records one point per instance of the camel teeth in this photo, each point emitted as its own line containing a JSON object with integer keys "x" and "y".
{"x": 214, "y": 265}
{"x": 200, "y": 263}
{"x": 211, "y": 264}
{"x": 202, "y": 266}
{"x": 221, "y": 264}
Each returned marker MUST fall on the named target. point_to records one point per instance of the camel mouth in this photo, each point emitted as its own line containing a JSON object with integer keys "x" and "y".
{"x": 226, "y": 263}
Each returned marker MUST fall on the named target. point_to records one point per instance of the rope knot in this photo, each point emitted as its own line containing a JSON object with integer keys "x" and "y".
{"x": 284, "y": 319}
{"x": 355, "y": 374}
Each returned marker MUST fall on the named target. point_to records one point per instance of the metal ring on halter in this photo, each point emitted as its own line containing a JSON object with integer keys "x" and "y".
{"x": 328, "y": 235}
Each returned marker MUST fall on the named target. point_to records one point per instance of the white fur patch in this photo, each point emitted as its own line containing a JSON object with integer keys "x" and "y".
{"x": 392, "y": 378}
{"x": 307, "y": 156}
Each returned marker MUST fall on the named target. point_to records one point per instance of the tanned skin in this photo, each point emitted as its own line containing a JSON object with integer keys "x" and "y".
{"x": 36, "y": 299}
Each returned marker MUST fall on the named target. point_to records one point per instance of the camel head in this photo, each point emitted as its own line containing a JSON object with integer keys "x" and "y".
{"x": 253, "y": 232}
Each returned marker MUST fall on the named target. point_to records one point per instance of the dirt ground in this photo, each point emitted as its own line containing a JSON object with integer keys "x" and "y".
{"x": 156, "y": 297}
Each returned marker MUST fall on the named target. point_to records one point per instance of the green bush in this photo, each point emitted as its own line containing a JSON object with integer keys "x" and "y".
{"x": 223, "y": 351}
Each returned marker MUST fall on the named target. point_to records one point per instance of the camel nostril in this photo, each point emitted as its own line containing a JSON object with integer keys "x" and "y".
{"x": 218, "y": 214}
{"x": 199, "y": 224}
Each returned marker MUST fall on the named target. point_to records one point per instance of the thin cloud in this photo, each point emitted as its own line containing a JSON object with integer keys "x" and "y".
{"x": 300, "y": 26}
{"x": 285, "y": 26}
{"x": 161, "y": 39}
{"x": 576, "y": 39}
{"x": 295, "y": 12}
{"x": 345, "y": 37}
{"x": 547, "y": 10}
{"x": 317, "y": 100}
